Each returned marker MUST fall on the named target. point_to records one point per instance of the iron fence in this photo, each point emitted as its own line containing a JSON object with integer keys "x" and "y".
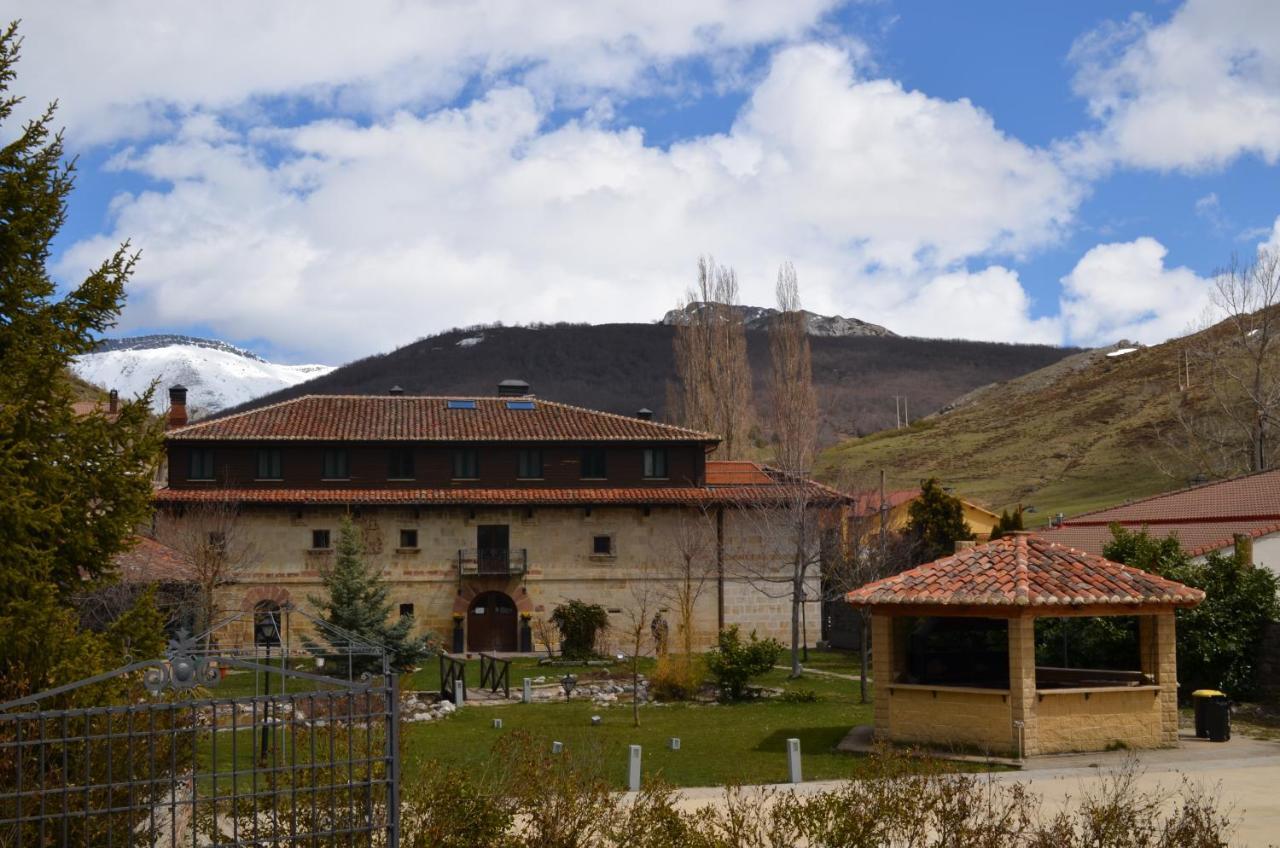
{"x": 181, "y": 757}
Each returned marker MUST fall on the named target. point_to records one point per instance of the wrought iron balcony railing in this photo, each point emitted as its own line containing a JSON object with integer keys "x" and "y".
{"x": 487, "y": 561}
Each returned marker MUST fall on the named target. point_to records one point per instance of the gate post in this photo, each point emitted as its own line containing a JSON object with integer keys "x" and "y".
{"x": 392, "y": 691}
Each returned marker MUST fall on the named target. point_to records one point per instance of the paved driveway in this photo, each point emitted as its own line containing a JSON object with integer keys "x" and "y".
{"x": 1245, "y": 773}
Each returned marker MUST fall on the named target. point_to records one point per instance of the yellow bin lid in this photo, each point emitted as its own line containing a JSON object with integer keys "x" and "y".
{"x": 1208, "y": 693}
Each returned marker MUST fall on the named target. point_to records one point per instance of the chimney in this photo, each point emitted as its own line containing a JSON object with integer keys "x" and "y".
{"x": 113, "y": 402}
{"x": 177, "y": 407}
{"x": 395, "y": 391}
{"x": 1244, "y": 549}
{"x": 964, "y": 544}
{"x": 513, "y": 388}
{"x": 644, "y": 414}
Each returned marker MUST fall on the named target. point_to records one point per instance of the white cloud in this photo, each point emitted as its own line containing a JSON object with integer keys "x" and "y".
{"x": 131, "y": 67}
{"x": 1124, "y": 291}
{"x": 1191, "y": 93}
{"x": 335, "y": 239}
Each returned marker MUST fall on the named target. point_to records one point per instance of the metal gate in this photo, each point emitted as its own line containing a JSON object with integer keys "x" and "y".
{"x": 181, "y": 751}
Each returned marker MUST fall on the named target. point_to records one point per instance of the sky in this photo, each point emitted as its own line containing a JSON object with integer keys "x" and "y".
{"x": 320, "y": 181}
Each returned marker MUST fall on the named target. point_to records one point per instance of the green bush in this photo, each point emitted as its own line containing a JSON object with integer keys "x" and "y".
{"x": 580, "y": 624}
{"x": 799, "y": 696}
{"x": 1218, "y": 641}
{"x": 736, "y": 662}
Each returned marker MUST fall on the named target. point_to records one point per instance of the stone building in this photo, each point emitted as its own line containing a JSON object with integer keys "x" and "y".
{"x": 484, "y": 513}
{"x": 955, "y": 652}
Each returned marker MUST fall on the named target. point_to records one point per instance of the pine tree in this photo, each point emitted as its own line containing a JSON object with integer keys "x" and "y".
{"x": 72, "y": 488}
{"x": 936, "y": 522}
{"x": 356, "y": 602}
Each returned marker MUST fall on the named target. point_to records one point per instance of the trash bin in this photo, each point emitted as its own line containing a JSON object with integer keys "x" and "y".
{"x": 1200, "y": 698}
{"x": 1217, "y": 718}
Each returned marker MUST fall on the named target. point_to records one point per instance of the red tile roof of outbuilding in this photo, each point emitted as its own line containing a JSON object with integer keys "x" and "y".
{"x": 1204, "y": 518}
{"x": 377, "y": 418}
{"x": 149, "y": 561}
{"x": 1025, "y": 571}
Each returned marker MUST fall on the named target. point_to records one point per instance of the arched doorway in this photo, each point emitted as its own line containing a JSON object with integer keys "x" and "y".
{"x": 266, "y": 624}
{"x": 491, "y": 623}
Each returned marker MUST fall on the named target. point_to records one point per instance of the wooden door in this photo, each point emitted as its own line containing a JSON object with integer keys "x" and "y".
{"x": 493, "y": 548}
{"x": 491, "y": 623}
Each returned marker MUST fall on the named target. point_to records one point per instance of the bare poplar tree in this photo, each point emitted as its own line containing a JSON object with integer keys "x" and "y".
{"x": 710, "y": 348}
{"x": 1228, "y": 406}
{"x": 216, "y": 548}
{"x": 795, "y": 433}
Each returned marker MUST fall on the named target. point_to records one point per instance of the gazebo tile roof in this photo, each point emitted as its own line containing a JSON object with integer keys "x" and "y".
{"x": 1021, "y": 570}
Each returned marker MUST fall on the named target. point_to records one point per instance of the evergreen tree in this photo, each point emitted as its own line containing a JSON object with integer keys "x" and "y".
{"x": 1007, "y": 523}
{"x": 72, "y": 488}
{"x": 356, "y": 602}
{"x": 935, "y": 522}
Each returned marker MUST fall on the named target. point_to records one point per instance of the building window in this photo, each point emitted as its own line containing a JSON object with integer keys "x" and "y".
{"x": 655, "y": 463}
{"x": 201, "y": 467}
{"x": 593, "y": 466}
{"x": 319, "y": 540}
{"x": 409, "y": 539}
{"x": 335, "y": 464}
{"x": 602, "y": 546}
{"x": 400, "y": 464}
{"x": 406, "y": 610}
{"x": 530, "y": 465}
{"x": 269, "y": 464}
{"x": 466, "y": 465}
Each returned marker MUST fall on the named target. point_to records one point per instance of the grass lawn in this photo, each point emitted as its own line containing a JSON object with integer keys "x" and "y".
{"x": 719, "y": 743}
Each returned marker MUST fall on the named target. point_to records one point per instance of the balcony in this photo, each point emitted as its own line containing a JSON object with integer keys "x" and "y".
{"x": 500, "y": 562}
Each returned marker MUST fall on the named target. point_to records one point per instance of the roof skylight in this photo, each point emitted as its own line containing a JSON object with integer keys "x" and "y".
{"x": 460, "y": 404}
{"x": 520, "y": 404}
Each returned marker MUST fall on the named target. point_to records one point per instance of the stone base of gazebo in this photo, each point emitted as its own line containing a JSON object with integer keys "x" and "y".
{"x": 1043, "y": 711}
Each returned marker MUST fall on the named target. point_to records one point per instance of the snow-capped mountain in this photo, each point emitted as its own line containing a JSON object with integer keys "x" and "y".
{"x": 217, "y": 375}
{"x": 759, "y": 318}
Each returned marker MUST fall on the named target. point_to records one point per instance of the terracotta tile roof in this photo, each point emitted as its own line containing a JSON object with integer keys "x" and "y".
{"x": 527, "y": 496}
{"x": 149, "y": 561}
{"x": 417, "y": 418}
{"x": 1025, "y": 571}
{"x": 721, "y": 472}
{"x": 868, "y": 503}
{"x": 1204, "y": 518}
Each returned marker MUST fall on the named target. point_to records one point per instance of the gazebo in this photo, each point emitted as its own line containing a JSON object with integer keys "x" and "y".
{"x": 954, "y": 652}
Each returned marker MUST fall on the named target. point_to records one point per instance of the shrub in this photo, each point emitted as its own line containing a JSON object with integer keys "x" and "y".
{"x": 736, "y": 662}
{"x": 449, "y": 808}
{"x": 1219, "y": 640}
{"x": 674, "y": 678}
{"x": 799, "y": 696}
{"x": 579, "y": 624}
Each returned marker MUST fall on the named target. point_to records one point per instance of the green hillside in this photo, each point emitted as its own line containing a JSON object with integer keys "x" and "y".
{"x": 1073, "y": 436}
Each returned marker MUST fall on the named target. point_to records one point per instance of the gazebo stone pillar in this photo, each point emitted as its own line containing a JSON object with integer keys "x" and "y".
{"x": 882, "y": 670}
{"x": 1022, "y": 684}
{"x": 1158, "y": 647}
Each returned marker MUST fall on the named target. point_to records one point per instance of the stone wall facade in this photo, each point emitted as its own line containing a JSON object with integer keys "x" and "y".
{"x": 650, "y": 547}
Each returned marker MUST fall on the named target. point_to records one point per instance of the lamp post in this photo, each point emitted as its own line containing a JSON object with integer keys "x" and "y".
{"x": 569, "y": 682}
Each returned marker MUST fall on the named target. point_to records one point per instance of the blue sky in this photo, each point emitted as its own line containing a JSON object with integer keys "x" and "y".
{"x": 319, "y": 184}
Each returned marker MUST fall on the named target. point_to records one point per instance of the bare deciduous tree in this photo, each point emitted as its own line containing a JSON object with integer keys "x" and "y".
{"x": 795, "y": 404}
{"x": 868, "y": 550}
{"x": 1228, "y": 406}
{"x": 217, "y": 550}
{"x": 691, "y": 547}
{"x": 714, "y": 393}
{"x": 642, "y": 603}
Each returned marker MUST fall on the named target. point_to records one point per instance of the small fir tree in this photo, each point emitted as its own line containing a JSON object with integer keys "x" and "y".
{"x": 356, "y": 603}
{"x": 936, "y": 522}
